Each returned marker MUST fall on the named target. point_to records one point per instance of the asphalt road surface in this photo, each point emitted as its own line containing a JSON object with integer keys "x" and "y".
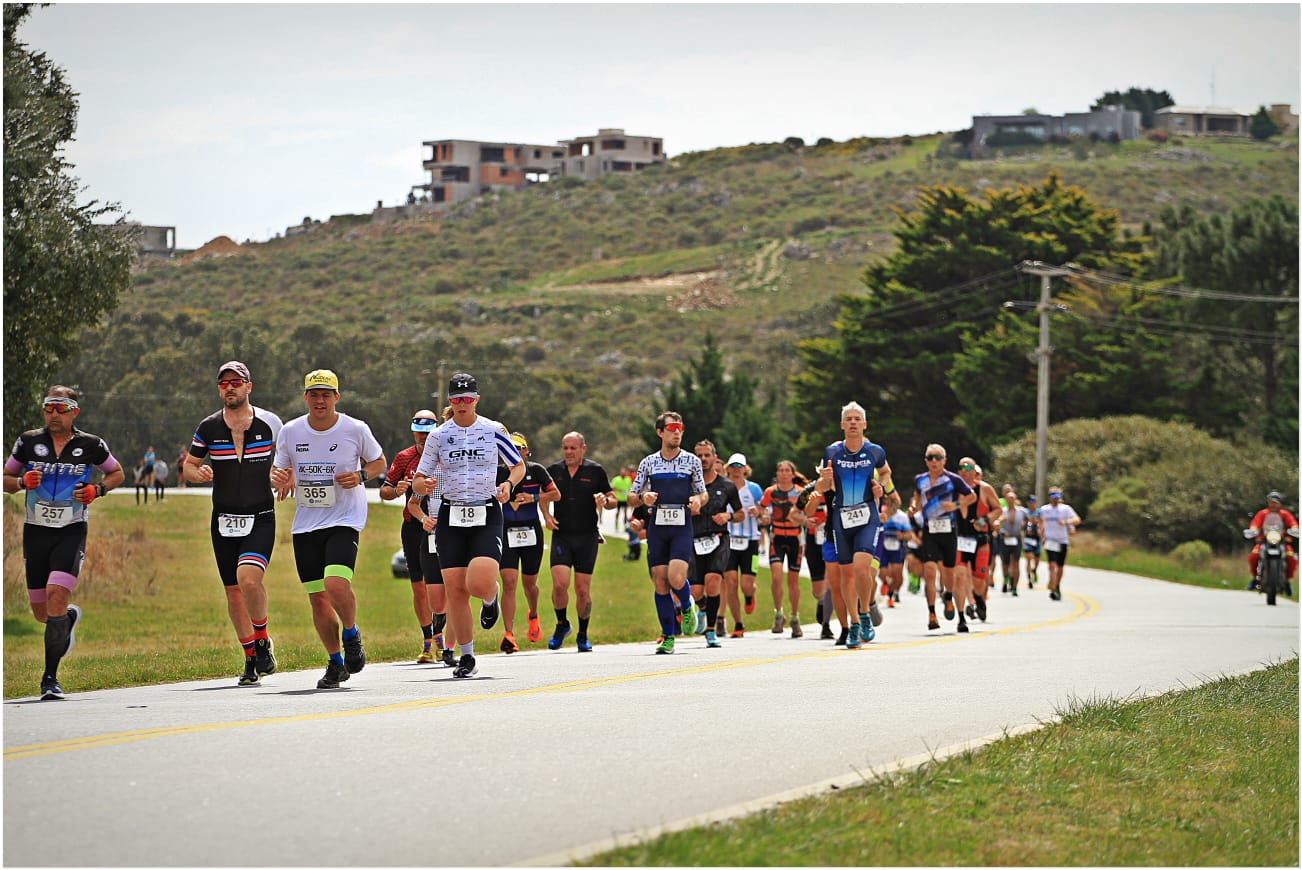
{"x": 546, "y": 756}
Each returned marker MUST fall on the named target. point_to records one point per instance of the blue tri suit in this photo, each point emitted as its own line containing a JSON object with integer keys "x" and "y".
{"x": 853, "y": 515}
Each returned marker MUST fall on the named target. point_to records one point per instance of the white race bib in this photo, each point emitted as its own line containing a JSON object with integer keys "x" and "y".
{"x": 890, "y": 542}
{"x": 234, "y": 525}
{"x": 1011, "y": 542}
{"x": 468, "y": 515}
{"x": 855, "y": 515}
{"x": 705, "y": 546}
{"x": 51, "y": 515}
{"x": 940, "y": 525}
{"x": 820, "y": 536}
{"x": 519, "y": 537}
{"x": 433, "y": 543}
{"x": 1053, "y": 546}
{"x": 737, "y": 542}
{"x": 671, "y": 515}
{"x": 319, "y": 494}
{"x": 966, "y": 545}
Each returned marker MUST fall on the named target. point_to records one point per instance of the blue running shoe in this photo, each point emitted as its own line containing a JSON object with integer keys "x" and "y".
{"x": 558, "y": 636}
{"x": 852, "y": 639}
{"x": 584, "y": 644}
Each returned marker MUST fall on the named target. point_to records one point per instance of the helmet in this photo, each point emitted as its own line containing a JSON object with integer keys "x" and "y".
{"x": 1274, "y": 495}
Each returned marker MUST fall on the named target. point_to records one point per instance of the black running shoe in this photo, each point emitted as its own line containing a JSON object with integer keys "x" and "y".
{"x": 962, "y": 628}
{"x": 981, "y": 609}
{"x": 51, "y": 690}
{"x": 354, "y": 655}
{"x": 489, "y": 613}
{"x": 449, "y": 658}
{"x": 970, "y": 611}
{"x": 264, "y": 656}
{"x": 826, "y": 633}
{"x": 845, "y": 633}
{"x": 467, "y": 667}
{"x": 250, "y": 675}
{"x": 334, "y": 675}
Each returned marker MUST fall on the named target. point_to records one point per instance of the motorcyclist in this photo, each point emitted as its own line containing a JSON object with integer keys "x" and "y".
{"x": 1273, "y": 516}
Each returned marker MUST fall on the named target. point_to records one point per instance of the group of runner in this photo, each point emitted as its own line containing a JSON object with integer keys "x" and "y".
{"x": 475, "y": 509}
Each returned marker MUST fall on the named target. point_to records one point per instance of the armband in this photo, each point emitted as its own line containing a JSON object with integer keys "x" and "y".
{"x": 892, "y": 489}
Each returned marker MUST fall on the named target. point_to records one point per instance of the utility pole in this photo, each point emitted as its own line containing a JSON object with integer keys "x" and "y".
{"x": 1043, "y": 353}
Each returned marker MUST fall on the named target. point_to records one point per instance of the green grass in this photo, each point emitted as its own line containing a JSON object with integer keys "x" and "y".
{"x": 1204, "y": 777}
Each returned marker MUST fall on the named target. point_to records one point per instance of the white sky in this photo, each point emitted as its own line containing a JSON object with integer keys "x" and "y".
{"x": 240, "y": 120}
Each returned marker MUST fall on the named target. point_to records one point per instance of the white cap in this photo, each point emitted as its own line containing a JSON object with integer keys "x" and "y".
{"x": 736, "y": 459}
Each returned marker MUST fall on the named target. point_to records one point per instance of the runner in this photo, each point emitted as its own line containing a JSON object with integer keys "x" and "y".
{"x": 938, "y": 496}
{"x": 463, "y": 453}
{"x": 1010, "y": 534}
{"x": 240, "y": 443}
{"x": 425, "y": 510}
{"x": 785, "y": 522}
{"x": 397, "y": 484}
{"x": 710, "y": 541}
{"x": 1058, "y": 522}
{"x": 324, "y": 457}
{"x": 857, "y": 474}
{"x": 669, "y": 482}
{"x": 523, "y": 545}
{"x": 974, "y": 522}
{"x": 896, "y": 532}
{"x": 743, "y": 545}
{"x": 583, "y": 492}
{"x": 810, "y": 505}
{"x": 53, "y": 465}
{"x": 1031, "y": 541}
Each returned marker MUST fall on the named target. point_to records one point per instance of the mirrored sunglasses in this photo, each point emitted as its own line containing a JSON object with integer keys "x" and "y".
{"x": 231, "y": 383}
{"x": 59, "y": 406}
{"x": 673, "y": 427}
{"x": 462, "y": 400}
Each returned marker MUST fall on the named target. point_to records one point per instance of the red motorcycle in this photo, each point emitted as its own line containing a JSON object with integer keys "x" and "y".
{"x": 1271, "y": 567}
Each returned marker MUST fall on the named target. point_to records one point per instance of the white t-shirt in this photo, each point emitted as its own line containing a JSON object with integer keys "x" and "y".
{"x": 1055, "y": 520}
{"x": 315, "y": 458}
{"x": 464, "y": 459}
{"x": 272, "y": 420}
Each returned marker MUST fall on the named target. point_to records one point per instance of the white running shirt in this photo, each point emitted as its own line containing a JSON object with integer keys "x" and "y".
{"x": 464, "y": 459}
{"x": 1055, "y": 522}
{"x": 315, "y": 458}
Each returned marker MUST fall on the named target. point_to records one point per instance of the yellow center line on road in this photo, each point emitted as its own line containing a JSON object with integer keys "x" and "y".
{"x": 1082, "y": 607}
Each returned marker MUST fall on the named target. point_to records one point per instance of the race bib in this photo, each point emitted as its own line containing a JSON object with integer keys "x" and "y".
{"x": 737, "y": 542}
{"x": 855, "y": 515}
{"x": 234, "y": 525}
{"x": 705, "y": 546}
{"x": 316, "y": 495}
{"x": 51, "y": 515}
{"x": 966, "y": 544}
{"x": 468, "y": 515}
{"x": 1053, "y": 546}
{"x": 940, "y": 525}
{"x": 820, "y": 536}
{"x": 671, "y": 515}
{"x": 433, "y": 543}
{"x": 518, "y": 537}
{"x": 890, "y": 542}
{"x": 1011, "y": 542}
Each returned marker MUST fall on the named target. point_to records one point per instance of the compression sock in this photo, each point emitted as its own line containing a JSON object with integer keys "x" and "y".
{"x": 247, "y": 643}
{"x": 56, "y": 642}
{"x": 684, "y": 596}
{"x": 583, "y": 625}
{"x": 337, "y": 658}
{"x": 260, "y": 630}
{"x": 711, "y": 610}
{"x": 350, "y": 633}
{"x": 562, "y": 616}
{"x": 665, "y": 611}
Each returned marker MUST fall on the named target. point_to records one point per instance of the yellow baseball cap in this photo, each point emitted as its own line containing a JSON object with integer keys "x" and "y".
{"x": 321, "y": 378}
{"x": 518, "y": 440}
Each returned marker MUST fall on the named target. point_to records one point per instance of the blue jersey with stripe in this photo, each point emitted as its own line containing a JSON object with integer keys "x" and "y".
{"x": 673, "y": 480}
{"x": 853, "y": 472}
{"x": 750, "y": 494}
{"x": 948, "y": 487}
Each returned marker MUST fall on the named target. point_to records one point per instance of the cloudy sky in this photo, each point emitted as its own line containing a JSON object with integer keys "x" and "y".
{"x": 240, "y": 120}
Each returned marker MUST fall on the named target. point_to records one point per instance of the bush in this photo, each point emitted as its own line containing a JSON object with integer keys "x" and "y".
{"x": 1158, "y": 136}
{"x": 1192, "y": 554}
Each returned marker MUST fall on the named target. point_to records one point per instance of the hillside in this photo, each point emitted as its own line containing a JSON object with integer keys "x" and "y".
{"x": 574, "y": 302}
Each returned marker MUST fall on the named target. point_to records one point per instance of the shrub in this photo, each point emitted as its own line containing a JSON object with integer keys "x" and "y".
{"x": 1158, "y": 136}
{"x": 1192, "y": 554}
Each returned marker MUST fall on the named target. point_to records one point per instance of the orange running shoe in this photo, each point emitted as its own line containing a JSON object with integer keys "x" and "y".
{"x": 535, "y": 629}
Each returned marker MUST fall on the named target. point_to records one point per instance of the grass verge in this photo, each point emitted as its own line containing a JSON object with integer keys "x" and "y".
{"x": 1203, "y": 777}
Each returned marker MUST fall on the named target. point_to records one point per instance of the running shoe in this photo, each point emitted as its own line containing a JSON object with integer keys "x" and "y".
{"x": 584, "y": 645}
{"x": 890, "y": 602}
{"x": 981, "y": 609}
{"x": 1015, "y": 592}
{"x": 449, "y": 658}
{"x": 915, "y": 584}
{"x": 867, "y": 633}
{"x": 334, "y": 675}
{"x": 559, "y": 635}
{"x": 488, "y": 613}
{"x": 750, "y": 603}
{"x": 535, "y": 629}
{"x": 426, "y": 657}
{"x": 962, "y": 628}
{"x": 666, "y": 645}
{"x": 796, "y": 630}
{"x": 738, "y": 630}
{"x": 264, "y": 656}
{"x": 886, "y": 588}
{"x": 1005, "y": 589}
{"x": 690, "y": 617}
{"x": 852, "y": 639}
{"x": 51, "y": 690}
{"x": 779, "y": 620}
{"x": 467, "y": 667}
{"x": 700, "y": 620}
{"x": 74, "y": 617}
{"x": 875, "y": 613}
{"x": 354, "y": 655}
{"x": 720, "y": 626}
{"x": 949, "y": 605}
{"x": 826, "y": 633}
{"x": 250, "y": 675}
{"x": 1055, "y": 595}
{"x": 970, "y": 611}
{"x": 844, "y": 636}
{"x": 932, "y": 622}
{"x": 508, "y": 644}
{"x": 712, "y": 639}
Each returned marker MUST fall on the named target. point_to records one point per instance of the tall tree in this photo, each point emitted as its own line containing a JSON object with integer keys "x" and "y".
{"x": 62, "y": 270}
{"x": 1263, "y": 125}
{"x": 1143, "y": 100}
{"x": 953, "y": 268}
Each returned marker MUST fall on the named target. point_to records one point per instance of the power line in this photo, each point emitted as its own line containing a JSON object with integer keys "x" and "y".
{"x": 1122, "y": 281}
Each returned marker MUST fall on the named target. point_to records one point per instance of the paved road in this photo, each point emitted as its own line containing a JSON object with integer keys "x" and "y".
{"x": 546, "y": 755}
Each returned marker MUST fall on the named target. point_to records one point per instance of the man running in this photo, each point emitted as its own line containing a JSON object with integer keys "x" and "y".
{"x": 324, "y": 457}
{"x": 1058, "y": 522}
{"x": 53, "y": 465}
{"x": 974, "y": 522}
{"x": 710, "y": 541}
{"x": 743, "y": 544}
{"x": 938, "y": 495}
{"x": 239, "y": 442}
{"x": 584, "y": 492}
{"x": 1010, "y": 534}
{"x": 669, "y": 482}
{"x": 1031, "y": 541}
{"x": 785, "y": 524}
{"x": 463, "y": 454}
{"x": 522, "y": 548}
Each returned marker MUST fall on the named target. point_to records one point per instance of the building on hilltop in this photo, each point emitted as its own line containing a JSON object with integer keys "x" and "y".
{"x": 1106, "y": 123}
{"x": 1285, "y": 117}
{"x": 155, "y": 241}
{"x": 461, "y": 169}
{"x": 1200, "y": 121}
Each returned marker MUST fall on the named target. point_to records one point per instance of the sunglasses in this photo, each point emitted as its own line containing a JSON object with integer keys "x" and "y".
{"x": 232, "y": 383}
{"x": 932, "y": 457}
{"x": 967, "y": 466}
{"x": 1055, "y": 495}
{"x": 673, "y": 427}
{"x": 462, "y": 400}
{"x": 423, "y": 421}
{"x": 58, "y": 407}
